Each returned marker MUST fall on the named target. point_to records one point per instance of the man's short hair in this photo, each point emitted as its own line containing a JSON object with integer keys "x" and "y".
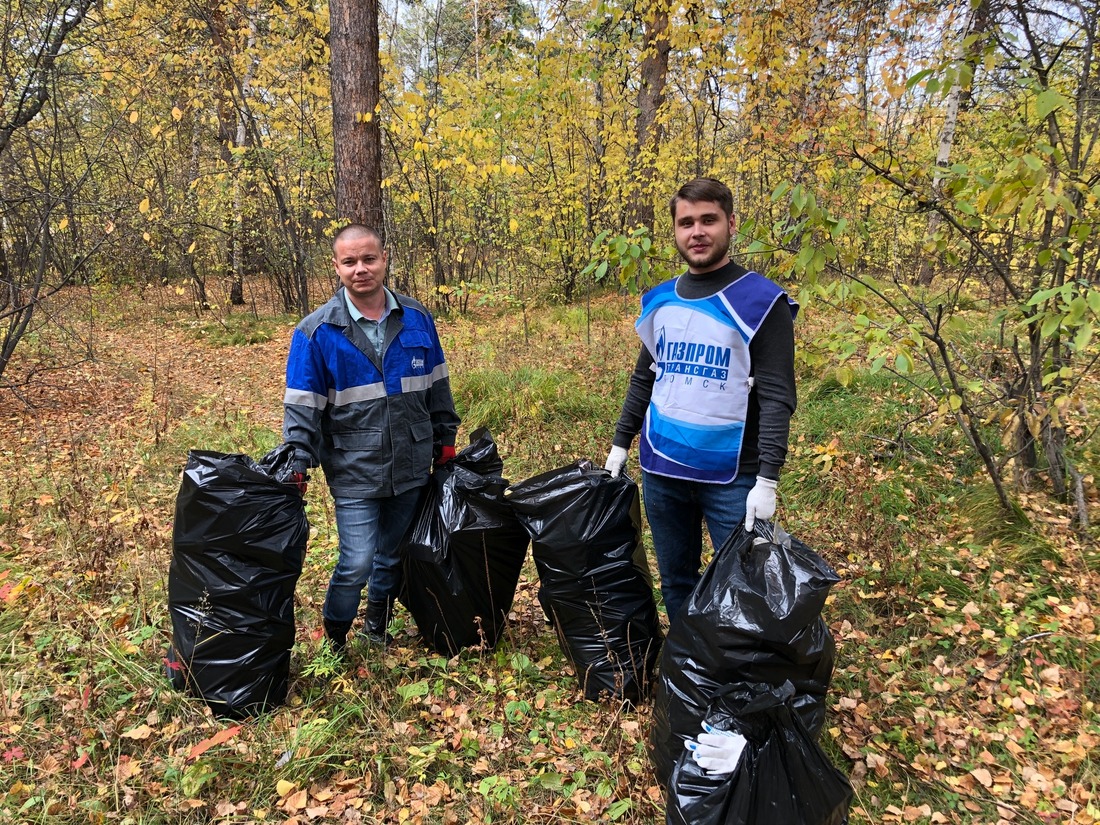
{"x": 357, "y": 230}
{"x": 703, "y": 189}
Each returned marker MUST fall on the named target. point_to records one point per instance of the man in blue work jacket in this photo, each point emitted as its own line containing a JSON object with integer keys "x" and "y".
{"x": 368, "y": 398}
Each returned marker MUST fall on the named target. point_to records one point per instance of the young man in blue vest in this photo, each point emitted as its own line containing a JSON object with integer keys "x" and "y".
{"x": 368, "y": 398}
{"x": 711, "y": 395}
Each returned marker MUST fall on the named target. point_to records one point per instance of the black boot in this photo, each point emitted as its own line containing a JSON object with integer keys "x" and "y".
{"x": 337, "y": 634}
{"x": 379, "y": 613}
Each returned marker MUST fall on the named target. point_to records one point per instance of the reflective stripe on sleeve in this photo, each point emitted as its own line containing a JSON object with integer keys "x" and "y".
{"x": 305, "y": 398}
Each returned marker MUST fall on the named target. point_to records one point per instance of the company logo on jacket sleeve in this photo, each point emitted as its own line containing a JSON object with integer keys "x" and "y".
{"x": 418, "y": 364}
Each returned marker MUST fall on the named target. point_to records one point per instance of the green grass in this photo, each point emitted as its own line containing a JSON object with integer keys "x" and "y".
{"x": 239, "y": 330}
{"x": 1011, "y": 529}
{"x": 223, "y": 430}
{"x": 530, "y": 397}
{"x": 581, "y": 317}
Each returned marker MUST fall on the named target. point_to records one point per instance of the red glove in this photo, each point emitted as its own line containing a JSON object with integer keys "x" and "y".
{"x": 445, "y": 454}
{"x": 301, "y": 481}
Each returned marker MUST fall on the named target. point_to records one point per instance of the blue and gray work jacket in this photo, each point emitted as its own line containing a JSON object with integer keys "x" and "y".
{"x": 370, "y": 422}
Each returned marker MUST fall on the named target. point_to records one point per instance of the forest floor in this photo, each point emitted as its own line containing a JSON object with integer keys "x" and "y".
{"x": 966, "y": 676}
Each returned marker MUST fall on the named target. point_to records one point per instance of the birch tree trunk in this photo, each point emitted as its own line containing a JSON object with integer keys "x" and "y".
{"x": 946, "y": 143}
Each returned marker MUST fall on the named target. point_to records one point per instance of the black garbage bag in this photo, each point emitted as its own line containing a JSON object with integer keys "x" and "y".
{"x": 783, "y": 775}
{"x": 754, "y": 617}
{"x": 464, "y": 552}
{"x": 238, "y": 543}
{"x": 594, "y": 582}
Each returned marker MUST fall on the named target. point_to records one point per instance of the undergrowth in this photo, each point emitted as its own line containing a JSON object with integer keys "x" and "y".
{"x": 965, "y": 681}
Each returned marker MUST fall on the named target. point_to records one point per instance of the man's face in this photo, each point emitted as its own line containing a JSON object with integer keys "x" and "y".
{"x": 361, "y": 264}
{"x": 703, "y": 233}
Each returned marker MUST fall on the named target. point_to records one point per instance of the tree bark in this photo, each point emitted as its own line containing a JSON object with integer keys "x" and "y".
{"x": 954, "y": 102}
{"x": 648, "y": 131}
{"x": 245, "y": 250}
{"x": 23, "y": 105}
{"x": 357, "y": 138}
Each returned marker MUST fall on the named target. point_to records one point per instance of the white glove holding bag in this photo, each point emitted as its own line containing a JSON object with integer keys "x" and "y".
{"x": 760, "y": 503}
{"x": 718, "y": 752}
{"x": 616, "y": 460}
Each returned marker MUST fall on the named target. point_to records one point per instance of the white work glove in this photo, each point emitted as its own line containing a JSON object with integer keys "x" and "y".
{"x": 718, "y": 752}
{"x": 760, "y": 503}
{"x": 616, "y": 460}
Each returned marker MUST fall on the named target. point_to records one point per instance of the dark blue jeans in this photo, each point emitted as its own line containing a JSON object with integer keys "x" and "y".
{"x": 370, "y": 532}
{"x": 675, "y": 510}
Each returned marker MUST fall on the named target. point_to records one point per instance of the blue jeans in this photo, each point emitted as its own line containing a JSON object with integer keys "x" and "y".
{"x": 370, "y": 532}
{"x": 675, "y": 510}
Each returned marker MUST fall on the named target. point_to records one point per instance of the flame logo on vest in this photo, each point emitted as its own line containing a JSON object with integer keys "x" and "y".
{"x": 659, "y": 356}
{"x": 691, "y": 359}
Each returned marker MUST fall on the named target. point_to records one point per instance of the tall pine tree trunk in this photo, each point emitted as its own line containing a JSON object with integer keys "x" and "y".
{"x": 648, "y": 130}
{"x": 356, "y": 78}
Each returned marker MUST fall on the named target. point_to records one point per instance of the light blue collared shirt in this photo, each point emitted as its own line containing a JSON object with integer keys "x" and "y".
{"x": 374, "y": 330}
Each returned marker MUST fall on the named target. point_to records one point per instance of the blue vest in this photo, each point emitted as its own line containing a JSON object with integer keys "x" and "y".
{"x": 695, "y": 422}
